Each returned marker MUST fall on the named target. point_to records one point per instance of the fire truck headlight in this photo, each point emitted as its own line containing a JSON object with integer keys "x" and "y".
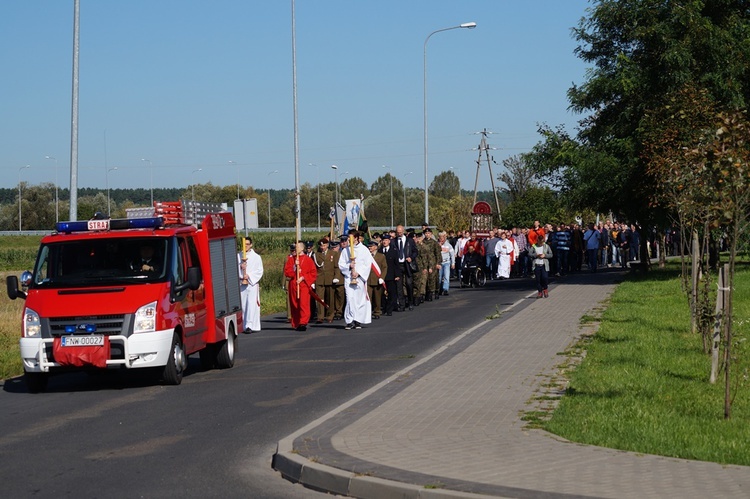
{"x": 32, "y": 326}
{"x": 145, "y": 319}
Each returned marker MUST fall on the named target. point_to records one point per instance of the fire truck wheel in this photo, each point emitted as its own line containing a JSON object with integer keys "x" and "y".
{"x": 36, "y": 382}
{"x": 208, "y": 357}
{"x": 176, "y": 363}
{"x": 226, "y": 351}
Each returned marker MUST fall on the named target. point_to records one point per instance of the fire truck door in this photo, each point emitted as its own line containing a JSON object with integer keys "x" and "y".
{"x": 193, "y": 302}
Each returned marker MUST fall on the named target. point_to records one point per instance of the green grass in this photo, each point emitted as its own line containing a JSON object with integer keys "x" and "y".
{"x": 643, "y": 385}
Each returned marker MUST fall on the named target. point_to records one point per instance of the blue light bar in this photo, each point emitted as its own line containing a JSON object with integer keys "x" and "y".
{"x": 69, "y": 227}
{"x": 143, "y": 223}
{"x": 72, "y": 328}
{"x": 114, "y": 224}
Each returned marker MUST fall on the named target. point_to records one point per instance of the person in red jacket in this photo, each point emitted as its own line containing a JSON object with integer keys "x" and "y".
{"x": 536, "y": 233}
{"x": 304, "y": 280}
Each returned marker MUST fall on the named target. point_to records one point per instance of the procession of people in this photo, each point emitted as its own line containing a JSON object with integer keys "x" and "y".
{"x": 360, "y": 277}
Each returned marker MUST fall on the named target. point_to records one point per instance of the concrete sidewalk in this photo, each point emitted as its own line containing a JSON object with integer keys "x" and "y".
{"x": 450, "y": 425}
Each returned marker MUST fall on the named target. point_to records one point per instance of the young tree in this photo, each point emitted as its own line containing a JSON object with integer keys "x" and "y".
{"x": 518, "y": 178}
{"x": 726, "y": 155}
{"x": 445, "y": 185}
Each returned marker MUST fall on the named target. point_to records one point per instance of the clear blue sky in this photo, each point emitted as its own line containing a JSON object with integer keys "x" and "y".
{"x": 193, "y": 84}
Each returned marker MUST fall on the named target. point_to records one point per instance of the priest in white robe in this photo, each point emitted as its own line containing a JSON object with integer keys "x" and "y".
{"x": 358, "y": 309}
{"x": 251, "y": 271}
{"x": 503, "y": 252}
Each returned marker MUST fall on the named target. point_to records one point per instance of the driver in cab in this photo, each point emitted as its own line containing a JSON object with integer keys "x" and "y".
{"x": 146, "y": 262}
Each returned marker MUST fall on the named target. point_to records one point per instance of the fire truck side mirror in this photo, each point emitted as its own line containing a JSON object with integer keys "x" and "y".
{"x": 12, "y": 285}
{"x": 193, "y": 280}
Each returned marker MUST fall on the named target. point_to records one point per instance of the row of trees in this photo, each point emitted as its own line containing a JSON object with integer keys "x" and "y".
{"x": 667, "y": 136}
{"x": 449, "y": 206}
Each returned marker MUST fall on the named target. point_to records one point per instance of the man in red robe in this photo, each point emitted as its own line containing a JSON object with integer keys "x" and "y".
{"x": 301, "y": 272}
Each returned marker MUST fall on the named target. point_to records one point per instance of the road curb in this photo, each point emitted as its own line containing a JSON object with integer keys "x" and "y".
{"x": 298, "y": 469}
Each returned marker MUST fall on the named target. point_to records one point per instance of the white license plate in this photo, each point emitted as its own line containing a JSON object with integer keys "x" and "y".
{"x": 93, "y": 340}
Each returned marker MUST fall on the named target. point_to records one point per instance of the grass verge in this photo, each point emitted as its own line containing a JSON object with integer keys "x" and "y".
{"x": 643, "y": 385}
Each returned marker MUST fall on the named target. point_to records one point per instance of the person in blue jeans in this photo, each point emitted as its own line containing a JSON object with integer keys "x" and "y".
{"x": 592, "y": 239}
{"x": 447, "y": 262}
{"x": 563, "y": 249}
{"x": 541, "y": 253}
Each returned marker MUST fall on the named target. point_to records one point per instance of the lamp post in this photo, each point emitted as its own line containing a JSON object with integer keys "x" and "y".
{"x": 238, "y": 177}
{"x": 317, "y": 181}
{"x": 391, "y": 177}
{"x": 109, "y": 208}
{"x": 151, "y": 174}
{"x": 405, "y": 175}
{"x": 269, "y": 197}
{"x": 336, "y": 171}
{"x": 57, "y": 198}
{"x": 19, "y": 195}
{"x": 470, "y": 25}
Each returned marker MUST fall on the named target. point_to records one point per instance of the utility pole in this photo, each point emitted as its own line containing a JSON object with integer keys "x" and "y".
{"x": 485, "y": 148}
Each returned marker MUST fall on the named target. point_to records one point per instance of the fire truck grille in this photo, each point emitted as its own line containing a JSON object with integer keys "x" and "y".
{"x": 103, "y": 324}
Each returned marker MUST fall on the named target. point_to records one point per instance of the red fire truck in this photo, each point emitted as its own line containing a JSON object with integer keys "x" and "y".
{"x": 131, "y": 293}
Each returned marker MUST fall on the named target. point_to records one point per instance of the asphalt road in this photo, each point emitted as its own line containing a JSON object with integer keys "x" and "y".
{"x": 120, "y": 435}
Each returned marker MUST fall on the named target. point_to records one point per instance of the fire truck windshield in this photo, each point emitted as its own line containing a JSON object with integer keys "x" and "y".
{"x": 101, "y": 261}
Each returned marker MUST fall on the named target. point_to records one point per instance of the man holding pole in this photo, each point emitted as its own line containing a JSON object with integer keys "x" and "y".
{"x": 355, "y": 263}
{"x": 302, "y": 274}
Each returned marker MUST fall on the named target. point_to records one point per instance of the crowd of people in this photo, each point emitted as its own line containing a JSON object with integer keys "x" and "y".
{"x": 361, "y": 277}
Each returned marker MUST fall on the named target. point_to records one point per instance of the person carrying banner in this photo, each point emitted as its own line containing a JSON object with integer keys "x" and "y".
{"x": 355, "y": 264}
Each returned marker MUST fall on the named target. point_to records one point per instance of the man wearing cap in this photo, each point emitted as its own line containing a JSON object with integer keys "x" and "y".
{"x": 434, "y": 260}
{"x": 376, "y": 281}
{"x": 423, "y": 265}
{"x": 310, "y": 252}
{"x": 355, "y": 264}
{"x": 325, "y": 261}
{"x": 337, "y": 283}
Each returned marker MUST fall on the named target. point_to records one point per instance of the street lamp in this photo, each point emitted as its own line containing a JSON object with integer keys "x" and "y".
{"x": 238, "y": 177}
{"x": 57, "y": 198}
{"x": 317, "y": 181}
{"x": 19, "y": 195}
{"x": 391, "y": 176}
{"x": 404, "y": 186}
{"x": 109, "y": 208}
{"x": 151, "y": 173}
{"x": 470, "y": 25}
{"x": 336, "y": 171}
{"x": 269, "y": 198}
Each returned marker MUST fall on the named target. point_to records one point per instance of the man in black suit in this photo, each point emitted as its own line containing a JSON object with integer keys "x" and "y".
{"x": 393, "y": 274}
{"x": 407, "y": 257}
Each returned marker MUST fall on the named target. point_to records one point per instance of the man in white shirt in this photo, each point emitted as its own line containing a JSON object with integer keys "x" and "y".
{"x": 251, "y": 271}
{"x": 355, "y": 263}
